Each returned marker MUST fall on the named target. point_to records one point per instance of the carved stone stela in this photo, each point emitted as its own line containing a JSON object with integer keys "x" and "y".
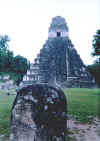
{"x": 39, "y": 114}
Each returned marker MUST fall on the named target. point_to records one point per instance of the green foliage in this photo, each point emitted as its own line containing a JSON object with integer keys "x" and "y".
{"x": 3, "y": 52}
{"x": 4, "y": 42}
{"x": 16, "y": 66}
{"x": 96, "y": 44}
{"x": 95, "y": 68}
{"x": 95, "y": 71}
{"x": 19, "y": 66}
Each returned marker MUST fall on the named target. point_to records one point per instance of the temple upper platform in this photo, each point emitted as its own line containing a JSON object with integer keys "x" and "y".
{"x": 58, "y": 28}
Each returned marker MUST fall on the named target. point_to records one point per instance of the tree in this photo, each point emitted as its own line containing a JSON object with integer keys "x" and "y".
{"x": 96, "y": 44}
{"x": 20, "y": 66}
{"x": 16, "y": 66}
{"x": 3, "y": 51}
{"x": 4, "y": 43}
{"x": 95, "y": 72}
{"x": 94, "y": 69}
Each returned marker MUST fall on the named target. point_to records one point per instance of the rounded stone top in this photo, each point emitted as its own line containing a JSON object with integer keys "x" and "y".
{"x": 58, "y": 23}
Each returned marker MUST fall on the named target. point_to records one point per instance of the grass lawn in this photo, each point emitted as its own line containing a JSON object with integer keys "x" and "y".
{"x": 5, "y": 107}
{"x": 83, "y": 103}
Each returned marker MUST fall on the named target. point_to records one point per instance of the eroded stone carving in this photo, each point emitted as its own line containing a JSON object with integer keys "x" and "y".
{"x": 39, "y": 114}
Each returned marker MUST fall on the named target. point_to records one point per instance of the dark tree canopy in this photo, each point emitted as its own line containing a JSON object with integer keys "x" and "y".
{"x": 95, "y": 68}
{"x": 3, "y": 52}
{"x": 95, "y": 71}
{"x": 15, "y": 66}
{"x": 20, "y": 66}
{"x": 96, "y": 44}
{"x": 4, "y": 42}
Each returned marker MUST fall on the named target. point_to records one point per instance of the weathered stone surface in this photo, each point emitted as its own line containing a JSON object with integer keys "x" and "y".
{"x": 39, "y": 114}
{"x": 58, "y": 23}
{"x": 58, "y": 28}
{"x": 60, "y": 61}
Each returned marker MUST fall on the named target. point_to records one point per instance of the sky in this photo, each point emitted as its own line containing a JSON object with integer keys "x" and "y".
{"x": 26, "y": 22}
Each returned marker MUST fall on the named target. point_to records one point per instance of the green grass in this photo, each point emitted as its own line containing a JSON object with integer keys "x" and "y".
{"x": 5, "y": 107}
{"x": 83, "y": 103}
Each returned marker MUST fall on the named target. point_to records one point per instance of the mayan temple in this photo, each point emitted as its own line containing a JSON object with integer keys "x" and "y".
{"x": 58, "y": 61}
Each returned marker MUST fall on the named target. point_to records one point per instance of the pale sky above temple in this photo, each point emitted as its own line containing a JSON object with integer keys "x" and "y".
{"x": 26, "y": 22}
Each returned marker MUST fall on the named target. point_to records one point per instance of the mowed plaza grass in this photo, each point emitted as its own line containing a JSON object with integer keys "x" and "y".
{"x": 83, "y": 104}
{"x": 5, "y": 110}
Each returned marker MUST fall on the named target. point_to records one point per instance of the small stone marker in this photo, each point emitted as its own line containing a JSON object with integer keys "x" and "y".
{"x": 39, "y": 114}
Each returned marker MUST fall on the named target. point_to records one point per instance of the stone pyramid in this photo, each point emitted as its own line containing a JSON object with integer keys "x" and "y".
{"x": 58, "y": 61}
